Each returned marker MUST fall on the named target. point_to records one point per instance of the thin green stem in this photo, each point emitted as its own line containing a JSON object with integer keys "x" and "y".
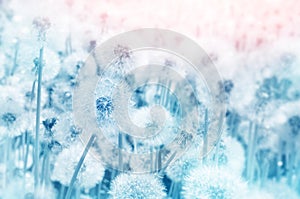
{"x": 77, "y": 169}
{"x": 37, "y": 122}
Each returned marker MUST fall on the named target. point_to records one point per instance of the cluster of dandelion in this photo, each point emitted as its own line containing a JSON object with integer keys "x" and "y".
{"x": 42, "y": 157}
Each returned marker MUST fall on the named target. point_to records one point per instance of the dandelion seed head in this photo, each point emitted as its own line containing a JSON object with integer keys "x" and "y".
{"x": 49, "y": 119}
{"x": 127, "y": 186}
{"x": 104, "y": 106}
{"x": 225, "y": 88}
{"x": 42, "y": 25}
{"x": 72, "y": 63}
{"x": 90, "y": 173}
{"x": 57, "y": 129}
{"x": 61, "y": 95}
{"x": 8, "y": 118}
{"x": 163, "y": 127}
{"x": 212, "y": 183}
{"x": 178, "y": 170}
{"x": 13, "y": 119}
{"x": 28, "y": 64}
{"x": 29, "y": 96}
{"x": 49, "y": 123}
{"x": 64, "y": 128}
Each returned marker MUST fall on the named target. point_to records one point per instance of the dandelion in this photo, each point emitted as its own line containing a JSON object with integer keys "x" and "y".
{"x": 233, "y": 121}
{"x": 13, "y": 120}
{"x": 90, "y": 173}
{"x": 178, "y": 170}
{"x": 212, "y": 183}
{"x": 162, "y": 127}
{"x": 30, "y": 95}
{"x": 72, "y": 63}
{"x": 60, "y": 94}
{"x": 58, "y": 128}
{"x": 104, "y": 107}
{"x": 28, "y": 63}
{"x": 65, "y": 131}
{"x": 225, "y": 88}
{"x": 127, "y": 186}
{"x": 49, "y": 120}
{"x": 41, "y": 25}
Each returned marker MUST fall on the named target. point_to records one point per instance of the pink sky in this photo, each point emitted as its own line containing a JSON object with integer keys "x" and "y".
{"x": 246, "y": 23}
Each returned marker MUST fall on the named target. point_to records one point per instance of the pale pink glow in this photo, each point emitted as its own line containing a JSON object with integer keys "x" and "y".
{"x": 246, "y": 23}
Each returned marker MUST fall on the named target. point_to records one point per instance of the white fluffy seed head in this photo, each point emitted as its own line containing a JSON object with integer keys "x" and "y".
{"x": 127, "y": 186}
{"x": 91, "y": 171}
{"x": 212, "y": 182}
{"x": 181, "y": 168}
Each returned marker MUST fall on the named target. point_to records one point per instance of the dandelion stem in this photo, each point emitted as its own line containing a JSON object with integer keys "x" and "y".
{"x": 176, "y": 190}
{"x": 171, "y": 189}
{"x": 6, "y": 156}
{"x": 62, "y": 192}
{"x": 77, "y": 191}
{"x": 168, "y": 96}
{"x": 113, "y": 174}
{"x": 251, "y": 151}
{"x": 99, "y": 188}
{"x": 120, "y": 145}
{"x": 205, "y": 135}
{"x": 15, "y": 64}
{"x": 278, "y": 168}
{"x": 26, "y": 133}
{"x": 23, "y": 136}
{"x": 167, "y": 164}
{"x": 26, "y": 154}
{"x": 151, "y": 159}
{"x": 265, "y": 171}
{"x": 45, "y": 167}
{"x": 216, "y": 156}
{"x": 37, "y": 122}
{"x": 77, "y": 169}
